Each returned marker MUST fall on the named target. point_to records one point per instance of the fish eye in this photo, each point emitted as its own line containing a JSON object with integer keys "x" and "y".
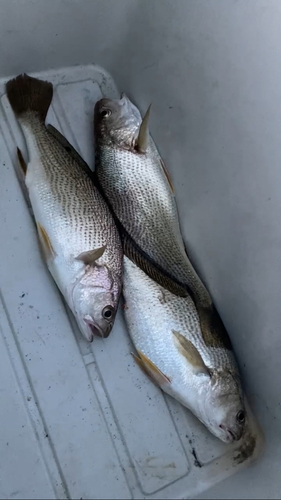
{"x": 240, "y": 417}
{"x": 105, "y": 113}
{"x": 107, "y": 312}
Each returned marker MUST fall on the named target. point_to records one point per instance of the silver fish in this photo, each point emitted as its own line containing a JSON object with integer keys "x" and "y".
{"x": 134, "y": 181}
{"x": 172, "y": 351}
{"x": 166, "y": 333}
{"x": 77, "y": 233}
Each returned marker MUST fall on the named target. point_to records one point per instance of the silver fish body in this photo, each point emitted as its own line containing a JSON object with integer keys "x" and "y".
{"x": 165, "y": 329}
{"x": 137, "y": 186}
{"x": 178, "y": 334}
{"x": 166, "y": 333}
{"x": 77, "y": 232}
{"x": 139, "y": 190}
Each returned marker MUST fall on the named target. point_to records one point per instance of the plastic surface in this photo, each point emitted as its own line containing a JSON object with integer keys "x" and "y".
{"x": 81, "y": 420}
{"x": 213, "y": 74}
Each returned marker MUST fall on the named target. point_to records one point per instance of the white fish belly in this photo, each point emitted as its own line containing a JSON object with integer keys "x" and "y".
{"x": 62, "y": 265}
{"x": 151, "y": 321}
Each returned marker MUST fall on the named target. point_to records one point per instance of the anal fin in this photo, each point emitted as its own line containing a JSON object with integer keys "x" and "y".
{"x": 22, "y": 162}
{"x": 151, "y": 370}
{"x": 45, "y": 241}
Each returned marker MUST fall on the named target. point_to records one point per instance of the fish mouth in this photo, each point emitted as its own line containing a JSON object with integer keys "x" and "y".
{"x": 230, "y": 434}
{"x": 94, "y": 330}
{"x": 130, "y": 107}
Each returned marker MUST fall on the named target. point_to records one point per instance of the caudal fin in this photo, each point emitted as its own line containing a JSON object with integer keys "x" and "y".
{"x": 27, "y": 94}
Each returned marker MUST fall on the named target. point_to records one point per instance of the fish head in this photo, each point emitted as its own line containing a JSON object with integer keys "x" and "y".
{"x": 215, "y": 395}
{"x": 222, "y": 407}
{"x": 117, "y": 122}
{"x": 95, "y": 301}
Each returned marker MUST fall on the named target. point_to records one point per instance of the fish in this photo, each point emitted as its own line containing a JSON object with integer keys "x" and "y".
{"x": 133, "y": 179}
{"x": 171, "y": 349}
{"x": 77, "y": 233}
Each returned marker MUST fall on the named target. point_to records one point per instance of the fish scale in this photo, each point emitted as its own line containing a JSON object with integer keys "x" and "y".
{"x": 172, "y": 349}
{"x": 180, "y": 310}
{"x": 77, "y": 232}
{"x": 180, "y": 340}
{"x": 137, "y": 188}
{"x": 67, "y": 202}
{"x": 152, "y": 323}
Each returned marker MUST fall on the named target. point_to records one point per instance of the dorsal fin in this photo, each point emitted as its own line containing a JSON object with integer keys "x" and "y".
{"x": 143, "y": 135}
{"x": 70, "y": 149}
{"x": 167, "y": 175}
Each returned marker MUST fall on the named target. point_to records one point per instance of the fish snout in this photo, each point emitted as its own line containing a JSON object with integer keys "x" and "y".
{"x": 233, "y": 434}
{"x": 94, "y": 330}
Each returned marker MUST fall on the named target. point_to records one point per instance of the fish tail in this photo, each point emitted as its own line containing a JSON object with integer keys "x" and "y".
{"x": 27, "y": 94}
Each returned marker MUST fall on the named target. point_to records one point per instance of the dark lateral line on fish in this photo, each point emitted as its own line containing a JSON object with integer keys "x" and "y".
{"x": 214, "y": 321}
{"x": 127, "y": 240}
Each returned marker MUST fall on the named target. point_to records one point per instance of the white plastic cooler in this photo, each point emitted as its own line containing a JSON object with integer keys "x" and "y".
{"x": 80, "y": 420}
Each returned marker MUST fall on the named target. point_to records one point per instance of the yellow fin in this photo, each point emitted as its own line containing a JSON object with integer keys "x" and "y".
{"x": 22, "y": 162}
{"x": 167, "y": 175}
{"x": 141, "y": 365}
{"x": 47, "y": 246}
{"x": 143, "y": 136}
{"x": 91, "y": 256}
{"x": 189, "y": 351}
{"x": 150, "y": 369}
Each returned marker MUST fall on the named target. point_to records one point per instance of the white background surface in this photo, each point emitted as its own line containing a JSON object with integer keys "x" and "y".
{"x": 212, "y": 70}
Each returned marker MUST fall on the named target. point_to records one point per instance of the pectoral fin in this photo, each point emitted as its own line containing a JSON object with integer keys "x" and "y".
{"x": 143, "y": 136}
{"x": 45, "y": 241}
{"x": 90, "y": 257}
{"x": 192, "y": 355}
{"x": 151, "y": 370}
